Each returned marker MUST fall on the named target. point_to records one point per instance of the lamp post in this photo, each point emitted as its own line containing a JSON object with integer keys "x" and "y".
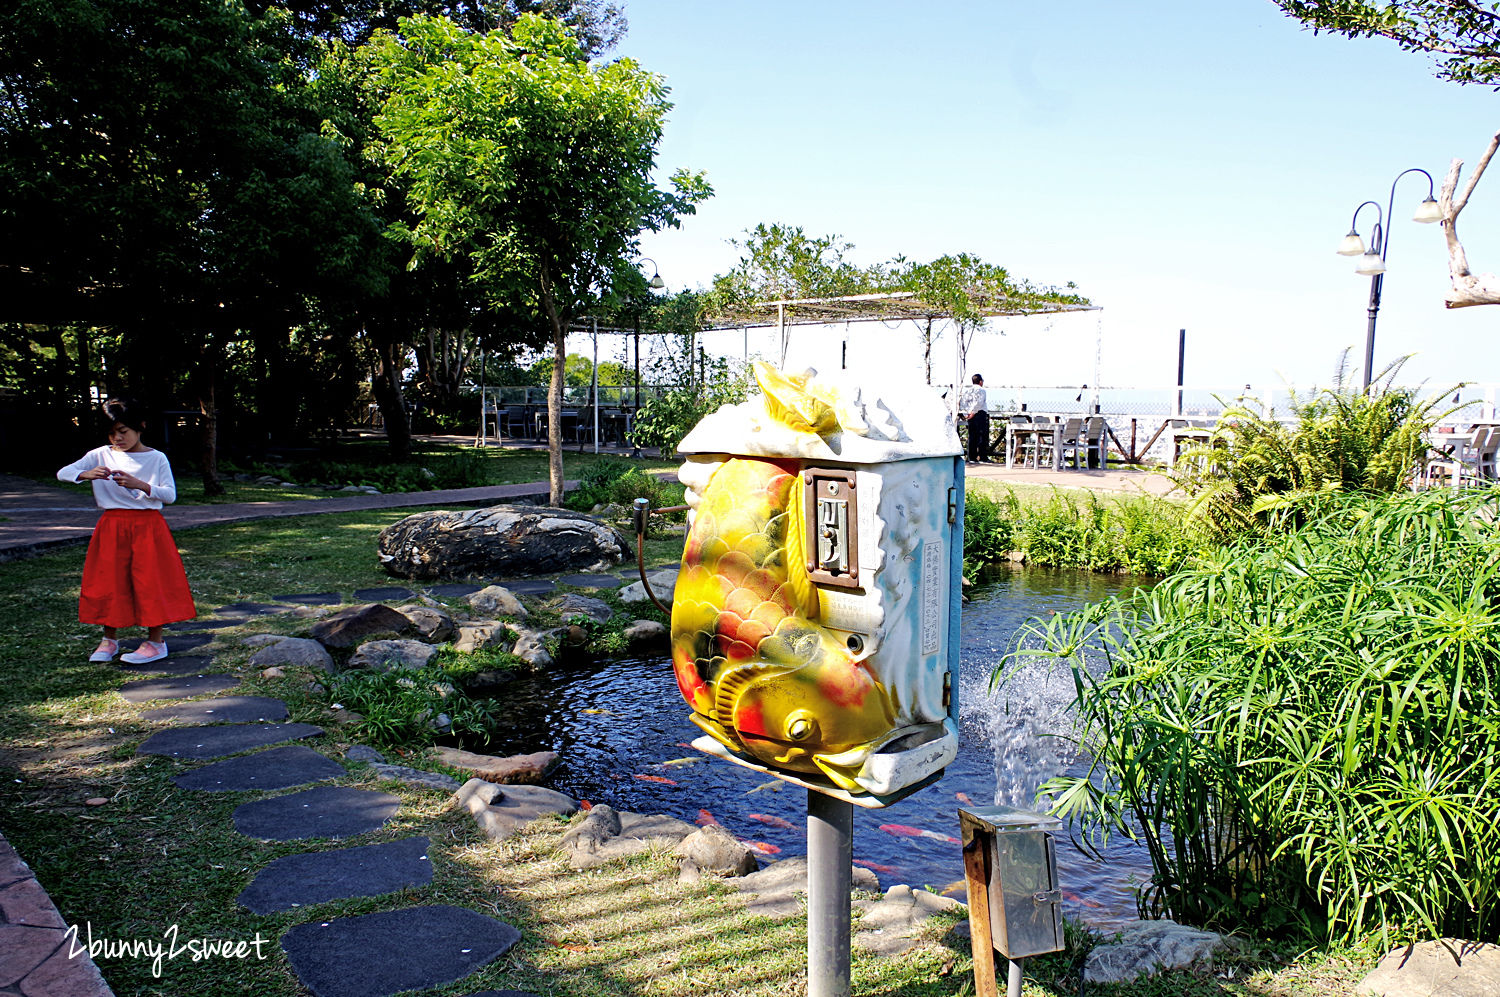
{"x": 656, "y": 284}
{"x": 1371, "y": 261}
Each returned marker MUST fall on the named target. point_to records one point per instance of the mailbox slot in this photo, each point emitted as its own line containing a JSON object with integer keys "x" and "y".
{"x": 832, "y": 516}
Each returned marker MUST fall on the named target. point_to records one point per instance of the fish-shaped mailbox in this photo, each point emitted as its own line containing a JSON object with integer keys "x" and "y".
{"x": 815, "y": 619}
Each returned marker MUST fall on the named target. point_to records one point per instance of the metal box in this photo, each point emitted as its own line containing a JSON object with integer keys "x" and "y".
{"x": 1010, "y": 863}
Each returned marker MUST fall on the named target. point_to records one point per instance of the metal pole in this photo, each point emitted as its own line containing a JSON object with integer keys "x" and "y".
{"x": 830, "y": 856}
{"x": 635, "y": 448}
{"x": 594, "y": 387}
{"x": 1013, "y": 981}
{"x": 1181, "y": 356}
{"x": 1375, "y": 283}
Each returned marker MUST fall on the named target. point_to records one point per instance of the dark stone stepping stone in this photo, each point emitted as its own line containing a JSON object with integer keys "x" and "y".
{"x": 227, "y": 739}
{"x": 226, "y": 710}
{"x": 504, "y": 993}
{"x": 189, "y": 642}
{"x": 455, "y": 591}
{"x": 382, "y": 594}
{"x": 276, "y": 768}
{"x": 317, "y": 877}
{"x": 188, "y": 664}
{"x": 325, "y": 812}
{"x": 591, "y": 581}
{"x": 192, "y": 626}
{"x": 375, "y": 955}
{"x": 529, "y": 586}
{"x": 176, "y": 687}
{"x": 310, "y": 598}
{"x": 252, "y": 609}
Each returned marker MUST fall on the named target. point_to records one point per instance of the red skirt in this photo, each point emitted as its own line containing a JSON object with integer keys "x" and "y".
{"x": 133, "y": 575}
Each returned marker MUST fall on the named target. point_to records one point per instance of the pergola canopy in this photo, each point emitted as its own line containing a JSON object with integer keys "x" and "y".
{"x": 883, "y": 306}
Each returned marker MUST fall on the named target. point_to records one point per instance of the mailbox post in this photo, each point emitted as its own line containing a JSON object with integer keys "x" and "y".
{"x": 815, "y": 622}
{"x": 1010, "y": 866}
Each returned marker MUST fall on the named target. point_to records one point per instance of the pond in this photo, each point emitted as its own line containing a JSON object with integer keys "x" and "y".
{"x": 622, "y": 730}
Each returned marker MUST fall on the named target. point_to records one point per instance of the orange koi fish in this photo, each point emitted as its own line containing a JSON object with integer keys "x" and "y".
{"x": 656, "y": 778}
{"x": 963, "y": 798}
{"x": 903, "y": 831}
{"x": 762, "y": 848}
{"x": 706, "y": 819}
{"x": 773, "y": 820}
{"x": 876, "y": 866}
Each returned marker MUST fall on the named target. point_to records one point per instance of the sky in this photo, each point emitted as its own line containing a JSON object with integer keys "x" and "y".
{"x": 1189, "y": 165}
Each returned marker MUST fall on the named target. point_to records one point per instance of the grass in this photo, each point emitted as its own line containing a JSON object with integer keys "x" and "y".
{"x": 155, "y": 855}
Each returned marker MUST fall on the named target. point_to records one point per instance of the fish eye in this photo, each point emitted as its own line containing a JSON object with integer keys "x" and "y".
{"x": 801, "y": 725}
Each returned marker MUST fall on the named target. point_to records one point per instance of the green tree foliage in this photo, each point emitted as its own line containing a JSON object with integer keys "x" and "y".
{"x": 1302, "y": 728}
{"x": 1341, "y": 439}
{"x": 1463, "y": 35}
{"x": 782, "y": 262}
{"x": 529, "y": 162}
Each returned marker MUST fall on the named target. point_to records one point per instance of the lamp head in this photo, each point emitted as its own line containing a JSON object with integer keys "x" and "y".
{"x": 1352, "y": 245}
{"x": 656, "y": 282}
{"x": 1369, "y": 265}
{"x": 1428, "y": 211}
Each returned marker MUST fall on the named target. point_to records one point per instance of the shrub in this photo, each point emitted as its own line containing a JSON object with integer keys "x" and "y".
{"x": 621, "y": 482}
{"x": 664, "y": 420}
{"x": 458, "y": 469}
{"x": 401, "y": 707}
{"x": 1303, "y": 729}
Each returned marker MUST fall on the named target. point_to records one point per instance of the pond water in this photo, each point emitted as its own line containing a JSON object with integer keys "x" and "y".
{"x": 622, "y": 730}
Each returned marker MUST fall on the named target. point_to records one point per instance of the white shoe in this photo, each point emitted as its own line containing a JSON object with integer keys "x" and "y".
{"x": 148, "y": 652}
{"x": 106, "y": 650}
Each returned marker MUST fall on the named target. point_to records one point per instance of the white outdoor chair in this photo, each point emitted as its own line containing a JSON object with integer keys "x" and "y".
{"x": 1473, "y": 460}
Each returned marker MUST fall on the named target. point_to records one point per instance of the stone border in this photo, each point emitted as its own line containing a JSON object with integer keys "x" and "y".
{"x": 34, "y": 942}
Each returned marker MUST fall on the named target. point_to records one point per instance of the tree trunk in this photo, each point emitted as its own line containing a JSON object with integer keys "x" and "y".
{"x": 387, "y": 390}
{"x": 1468, "y": 288}
{"x": 208, "y": 418}
{"x": 554, "y": 389}
{"x": 927, "y": 349}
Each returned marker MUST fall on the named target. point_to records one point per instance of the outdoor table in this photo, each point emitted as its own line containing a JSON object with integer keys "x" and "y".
{"x": 1018, "y": 433}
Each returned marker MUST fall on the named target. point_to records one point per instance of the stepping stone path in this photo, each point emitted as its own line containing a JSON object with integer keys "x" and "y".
{"x": 455, "y": 591}
{"x": 226, "y": 710}
{"x": 385, "y": 953}
{"x": 178, "y": 687}
{"x": 217, "y": 741}
{"x": 414, "y": 948}
{"x": 276, "y": 768}
{"x": 324, "y": 812}
{"x": 590, "y": 581}
{"x": 317, "y": 877}
{"x": 531, "y": 586}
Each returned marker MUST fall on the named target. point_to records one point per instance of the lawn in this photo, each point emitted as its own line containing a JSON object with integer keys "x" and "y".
{"x": 154, "y": 855}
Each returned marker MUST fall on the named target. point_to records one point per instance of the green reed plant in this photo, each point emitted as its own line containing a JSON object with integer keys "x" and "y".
{"x": 1304, "y": 730}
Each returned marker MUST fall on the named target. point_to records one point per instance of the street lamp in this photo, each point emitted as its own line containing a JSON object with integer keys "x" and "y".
{"x": 656, "y": 284}
{"x": 1371, "y": 262}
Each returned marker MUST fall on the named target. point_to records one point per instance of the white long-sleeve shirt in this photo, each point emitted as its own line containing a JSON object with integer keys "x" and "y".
{"x": 972, "y": 399}
{"x": 149, "y": 465}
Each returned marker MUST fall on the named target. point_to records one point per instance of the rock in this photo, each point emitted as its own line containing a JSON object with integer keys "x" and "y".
{"x": 573, "y": 604}
{"x": 607, "y": 834}
{"x": 348, "y": 718}
{"x": 431, "y": 623}
{"x": 346, "y": 627}
{"x": 96, "y": 801}
{"x": 273, "y": 672}
{"x": 711, "y": 851}
{"x": 1145, "y": 948}
{"x": 416, "y": 777}
{"x": 662, "y": 584}
{"x": 481, "y": 635}
{"x": 293, "y": 652}
{"x": 1430, "y": 969}
{"x": 383, "y": 655}
{"x": 531, "y": 646}
{"x": 894, "y": 924}
{"x": 499, "y": 542}
{"x": 363, "y": 753}
{"x": 261, "y": 640}
{"x": 647, "y": 635}
{"x": 496, "y": 600}
{"x": 514, "y": 770}
{"x": 500, "y": 812}
{"x": 776, "y": 888}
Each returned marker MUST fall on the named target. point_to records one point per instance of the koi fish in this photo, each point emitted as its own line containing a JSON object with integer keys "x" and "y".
{"x": 585, "y": 805}
{"x": 706, "y": 819}
{"x": 774, "y": 786}
{"x": 903, "y": 831}
{"x": 1070, "y": 895}
{"x": 963, "y": 798}
{"x": 676, "y": 762}
{"x": 876, "y": 866}
{"x": 773, "y": 820}
{"x": 762, "y": 848}
{"x": 607, "y": 713}
{"x": 656, "y": 778}
{"x": 762, "y": 674}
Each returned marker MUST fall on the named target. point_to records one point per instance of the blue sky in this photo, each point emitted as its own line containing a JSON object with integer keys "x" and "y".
{"x": 1186, "y": 164}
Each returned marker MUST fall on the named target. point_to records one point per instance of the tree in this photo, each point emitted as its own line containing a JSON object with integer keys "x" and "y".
{"x": 1464, "y": 36}
{"x": 530, "y": 162}
{"x": 598, "y": 25}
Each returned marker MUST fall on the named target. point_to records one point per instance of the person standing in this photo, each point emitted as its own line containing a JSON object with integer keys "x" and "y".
{"x": 974, "y": 408}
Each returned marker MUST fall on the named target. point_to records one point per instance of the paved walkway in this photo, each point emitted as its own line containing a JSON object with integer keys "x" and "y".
{"x": 1122, "y": 479}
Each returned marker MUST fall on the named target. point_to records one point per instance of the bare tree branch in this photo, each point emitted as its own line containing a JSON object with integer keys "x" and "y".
{"x": 1468, "y": 288}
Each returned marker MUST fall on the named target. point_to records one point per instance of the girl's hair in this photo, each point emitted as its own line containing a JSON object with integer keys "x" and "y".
{"x": 124, "y": 411}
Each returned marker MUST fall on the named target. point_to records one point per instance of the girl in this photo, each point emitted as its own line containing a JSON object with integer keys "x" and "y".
{"x": 133, "y": 575}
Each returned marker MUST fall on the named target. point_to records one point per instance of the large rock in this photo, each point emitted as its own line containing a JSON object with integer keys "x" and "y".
{"x": 710, "y": 851}
{"x": 345, "y": 628}
{"x": 499, "y": 542}
{"x": 573, "y": 604}
{"x": 430, "y": 623}
{"x": 531, "y": 646}
{"x": 481, "y": 635}
{"x": 775, "y": 891}
{"x": 895, "y": 923}
{"x": 648, "y": 635}
{"x": 512, "y": 770}
{"x": 663, "y": 583}
{"x": 496, "y": 600}
{"x": 292, "y": 651}
{"x": 383, "y": 655}
{"x": 607, "y": 834}
{"x": 501, "y": 811}
{"x": 1145, "y": 948}
{"x": 1450, "y": 968}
